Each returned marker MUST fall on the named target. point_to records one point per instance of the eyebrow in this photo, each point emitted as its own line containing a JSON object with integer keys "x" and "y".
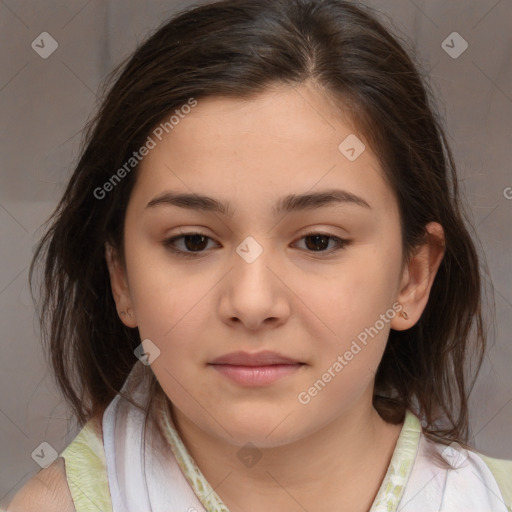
{"x": 287, "y": 204}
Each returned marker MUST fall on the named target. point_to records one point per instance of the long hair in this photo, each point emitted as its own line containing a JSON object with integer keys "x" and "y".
{"x": 239, "y": 49}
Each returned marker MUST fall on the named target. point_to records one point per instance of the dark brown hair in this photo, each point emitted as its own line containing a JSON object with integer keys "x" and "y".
{"x": 240, "y": 48}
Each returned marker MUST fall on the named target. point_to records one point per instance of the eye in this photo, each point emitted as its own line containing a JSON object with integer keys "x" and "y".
{"x": 195, "y": 243}
{"x": 317, "y": 242}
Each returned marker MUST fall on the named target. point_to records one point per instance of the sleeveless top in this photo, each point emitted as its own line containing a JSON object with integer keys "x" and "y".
{"x": 110, "y": 468}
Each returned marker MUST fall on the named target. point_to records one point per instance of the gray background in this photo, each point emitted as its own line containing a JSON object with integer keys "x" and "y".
{"x": 45, "y": 103}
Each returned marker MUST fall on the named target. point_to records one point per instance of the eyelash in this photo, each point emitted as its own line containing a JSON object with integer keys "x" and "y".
{"x": 342, "y": 243}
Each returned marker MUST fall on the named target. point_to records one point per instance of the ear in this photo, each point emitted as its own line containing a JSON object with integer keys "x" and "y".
{"x": 418, "y": 277}
{"x": 119, "y": 285}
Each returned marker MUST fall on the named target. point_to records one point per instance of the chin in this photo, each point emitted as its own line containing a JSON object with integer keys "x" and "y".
{"x": 264, "y": 429}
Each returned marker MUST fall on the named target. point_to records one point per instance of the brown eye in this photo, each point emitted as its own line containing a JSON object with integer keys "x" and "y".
{"x": 195, "y": 242}
{"x": 192, "y": 243}
{"x": 319, "y": 242}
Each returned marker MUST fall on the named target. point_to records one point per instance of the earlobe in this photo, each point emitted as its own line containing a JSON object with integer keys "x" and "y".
{"x": 119, "y": 286}
{"x": 418, "y": 277}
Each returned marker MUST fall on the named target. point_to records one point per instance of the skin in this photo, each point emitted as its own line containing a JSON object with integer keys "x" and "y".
{"x": 305, "y": 304}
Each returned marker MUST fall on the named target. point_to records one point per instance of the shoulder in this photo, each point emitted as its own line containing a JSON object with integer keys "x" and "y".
{"x": 47, "y": 491}
{"x": 500, "y": 466}
{"x": 88, "y": 443}
{"x": 68, "y": 484}
{"x": 86, "y": 468}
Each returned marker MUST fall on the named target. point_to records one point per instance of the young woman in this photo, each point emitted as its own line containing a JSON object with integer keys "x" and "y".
{"x": 259, "y": 289}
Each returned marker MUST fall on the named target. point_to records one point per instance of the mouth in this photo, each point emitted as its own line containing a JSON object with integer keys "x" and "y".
{"x": 264, "y": 358}
{"x": 258, "y": 369}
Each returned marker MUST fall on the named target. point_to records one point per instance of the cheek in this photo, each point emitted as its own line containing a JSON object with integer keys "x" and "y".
{"x": 358, "y": 290}
{"x": 172, "y": 308}
{"x": 160, "y": 292}
{"x": 349, "y": 315}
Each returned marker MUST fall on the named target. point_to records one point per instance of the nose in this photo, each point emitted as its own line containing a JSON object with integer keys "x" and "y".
{"x": 256, "y": 294}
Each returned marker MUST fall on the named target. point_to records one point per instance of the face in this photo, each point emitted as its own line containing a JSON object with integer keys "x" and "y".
{"x": 305, "y": 281}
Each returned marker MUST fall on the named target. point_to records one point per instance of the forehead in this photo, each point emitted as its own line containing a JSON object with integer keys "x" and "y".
{"x": 286, "y": 140}
{"x": 284, "y": 117}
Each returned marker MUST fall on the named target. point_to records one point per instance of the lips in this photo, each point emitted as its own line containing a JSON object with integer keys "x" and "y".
{"x": 265, "y": 358}
{"x": 260, "y": 369}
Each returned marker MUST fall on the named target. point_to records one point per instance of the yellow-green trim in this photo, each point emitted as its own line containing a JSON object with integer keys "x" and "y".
{"x": 86, "y": 470}
{"x": 397, "y": 475}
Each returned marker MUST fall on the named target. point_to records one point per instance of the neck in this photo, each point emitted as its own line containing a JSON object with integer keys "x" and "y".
{"x": 345, "y": 459}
